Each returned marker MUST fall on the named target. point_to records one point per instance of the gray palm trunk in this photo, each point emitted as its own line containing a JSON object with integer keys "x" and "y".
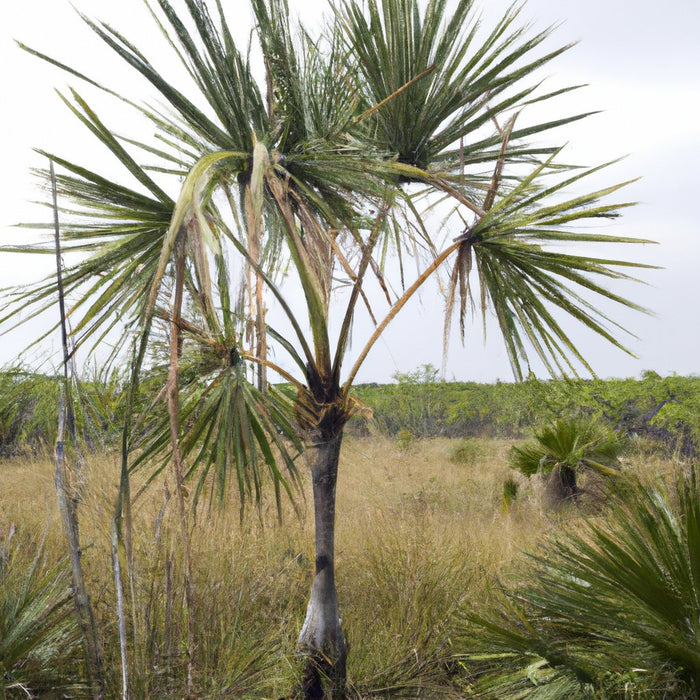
{"x": 321, "y": 639}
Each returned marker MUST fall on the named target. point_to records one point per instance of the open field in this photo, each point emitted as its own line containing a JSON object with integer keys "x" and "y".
{"x": 421, "y": 537}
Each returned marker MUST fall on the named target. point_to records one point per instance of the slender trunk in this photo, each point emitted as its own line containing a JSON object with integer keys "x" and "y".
{"x": 68, "y": 494}
{"x": 67, "y": 506}
{"x": 121, "y": 616}
{"x": 174, "y": 415}
{"x": 321, "y": 639}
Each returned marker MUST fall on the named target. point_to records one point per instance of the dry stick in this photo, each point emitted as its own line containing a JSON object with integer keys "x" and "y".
{"x": 123, "y": 511}
{"x": 394, "y": 310}
{"x": 174, "y": 415}
{"x": 257, "y": 309}
{"x": 121, "y": 617}
{"x": 67, "y": 494}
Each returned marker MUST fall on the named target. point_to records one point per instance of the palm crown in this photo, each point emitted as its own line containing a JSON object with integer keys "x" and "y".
{"x": 389, "y": 104}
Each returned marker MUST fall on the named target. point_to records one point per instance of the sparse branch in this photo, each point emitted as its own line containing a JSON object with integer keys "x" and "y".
{"x": 367, "y": 251}
{"x": 401, "y": 302}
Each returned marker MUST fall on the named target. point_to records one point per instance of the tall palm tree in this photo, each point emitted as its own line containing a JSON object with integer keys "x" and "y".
{"x": 321, "y": 170}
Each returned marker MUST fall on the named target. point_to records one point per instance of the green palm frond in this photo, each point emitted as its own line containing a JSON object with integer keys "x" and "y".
{"x": 210, "y": 85}
{"x": 38, "y": 628}
{"x": 395, "y": 42}
{"x": 230, "y": 431}
{"x": 526, "y": 283}
{"x": 573, "y": 443}
{"x": 122, "y": 228}
{"x": 614, "y": 605}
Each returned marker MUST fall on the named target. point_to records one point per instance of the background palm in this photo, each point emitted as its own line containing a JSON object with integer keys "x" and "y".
{"x": 566, "y": 447}
{"x": 319, "y": 171}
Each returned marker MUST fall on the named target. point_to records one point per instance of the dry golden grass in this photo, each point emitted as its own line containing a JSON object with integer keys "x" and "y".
{"x": 27, "y": 496}
{"x": 421, "y": 494}
{"x": 419, "y": 535}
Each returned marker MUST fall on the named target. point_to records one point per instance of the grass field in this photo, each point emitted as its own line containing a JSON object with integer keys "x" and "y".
{"x": 424, "y": 531}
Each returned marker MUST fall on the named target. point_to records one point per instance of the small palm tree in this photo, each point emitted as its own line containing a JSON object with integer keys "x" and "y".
{"x": 563, "y": 449}
{"x": 321, "y": 172}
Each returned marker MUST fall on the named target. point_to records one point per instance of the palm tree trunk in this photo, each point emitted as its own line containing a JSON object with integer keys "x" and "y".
{"x": 321, "y": 639}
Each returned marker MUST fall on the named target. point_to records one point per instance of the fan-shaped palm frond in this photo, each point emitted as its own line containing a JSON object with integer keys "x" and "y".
{"x": 38, "y": 629}
{"x": 526, "y": 284}
{"x": 574, "y": 443}
{"x": 466, "y": 83}
{"x": 613, "y": 606}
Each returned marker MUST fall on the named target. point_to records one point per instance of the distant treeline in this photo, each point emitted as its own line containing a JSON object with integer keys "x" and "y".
{"x": 661, "y": 409}
{"x": 664, "y": 410}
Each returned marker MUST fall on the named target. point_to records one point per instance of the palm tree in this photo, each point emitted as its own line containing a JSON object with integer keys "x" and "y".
{"x": 321, "y": 170}
{"x": 566, "y": 447}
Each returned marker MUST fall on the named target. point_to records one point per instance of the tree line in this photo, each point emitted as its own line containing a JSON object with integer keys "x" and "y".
{"x": 663, "y": 410}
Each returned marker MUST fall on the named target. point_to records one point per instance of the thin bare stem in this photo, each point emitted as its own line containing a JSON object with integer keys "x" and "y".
{"x": 67, "y": 493}
{"x": 367, "y": 251}
{"x": 401, "y": 302}
{"x": 174, "y": 416}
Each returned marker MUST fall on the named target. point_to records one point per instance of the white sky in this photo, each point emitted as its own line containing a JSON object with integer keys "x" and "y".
{"x": 642, "y": 64}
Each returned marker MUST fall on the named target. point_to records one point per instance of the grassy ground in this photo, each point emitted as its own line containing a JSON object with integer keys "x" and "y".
{"x": 423, "y": 531}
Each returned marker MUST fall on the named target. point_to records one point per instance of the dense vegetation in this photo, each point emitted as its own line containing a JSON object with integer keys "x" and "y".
{"x": 653, "y": 409}
{"x": 665, "y": 410}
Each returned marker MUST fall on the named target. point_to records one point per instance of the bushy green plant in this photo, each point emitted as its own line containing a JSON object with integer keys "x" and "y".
{"x": 665, "y": 411}
{"x": 404, "y": 439}
{"x": 608, "y": 610}
{"x": 564, "y": 448}
{"x": 511, "y": 489}
{"x": 29, "y": 410}
{"x": 39, "y": 633}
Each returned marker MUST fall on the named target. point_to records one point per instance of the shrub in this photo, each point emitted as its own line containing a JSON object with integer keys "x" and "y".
{"x": 404, "y": 439}
{"x": 564, "y": 448}
{"x": 510, "y": 491}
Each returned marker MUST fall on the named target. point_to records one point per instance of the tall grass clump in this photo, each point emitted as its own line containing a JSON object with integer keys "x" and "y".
{"x": 610, "y": 609}
{"x": 417, "y": 544}
{"x": 469, "y": 451}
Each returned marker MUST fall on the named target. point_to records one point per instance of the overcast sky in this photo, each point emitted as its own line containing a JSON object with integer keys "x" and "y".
{"x": 641, "y": 61}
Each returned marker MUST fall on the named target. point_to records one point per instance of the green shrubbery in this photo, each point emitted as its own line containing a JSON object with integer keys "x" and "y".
{"x": 659, "y": 411}
{"x": 470, "y": 451}
{"x": 662, "y": 411}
